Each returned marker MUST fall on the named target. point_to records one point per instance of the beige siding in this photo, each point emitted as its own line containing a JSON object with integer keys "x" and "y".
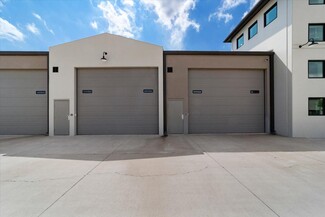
{"x": 23, "y": 62}
{"x": 178, "y": 81}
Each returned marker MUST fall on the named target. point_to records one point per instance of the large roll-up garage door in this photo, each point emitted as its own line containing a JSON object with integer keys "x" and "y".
{"x": 226, "y": 101}
{"x": 23, "y": 102}
{"x": 118, "y": 101}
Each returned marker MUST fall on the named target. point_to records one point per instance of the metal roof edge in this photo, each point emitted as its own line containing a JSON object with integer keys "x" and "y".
{"x": 246, "y": 19}
{"x": 243, "y": 53}
{"x": 24, "y": 53}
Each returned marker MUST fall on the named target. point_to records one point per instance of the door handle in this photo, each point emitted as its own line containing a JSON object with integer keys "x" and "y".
{"x": 182, "y": 116}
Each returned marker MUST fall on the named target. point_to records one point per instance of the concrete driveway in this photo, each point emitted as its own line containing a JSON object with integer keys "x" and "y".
{"x": 150, "y": 176}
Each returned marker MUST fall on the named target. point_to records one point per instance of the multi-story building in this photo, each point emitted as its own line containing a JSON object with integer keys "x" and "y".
{"x": 295, "y": 31}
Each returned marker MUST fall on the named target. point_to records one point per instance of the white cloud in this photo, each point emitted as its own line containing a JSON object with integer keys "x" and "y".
{"x": 91, "y": 3}
{"x": 120, "y": 19}
{"x": 229, "y": 4}
{"x": 32, "y": 28}
{"x": 9, "y": 31}
{"x": 222, "y": 15}
{"x": 37, "y": 16}
{"x": 252, "y": 4}
{"x": 222, "y": 12}
{"x": 2, "y": 3}
{"x": 245, "y": 13}
{"x": 128, "y": 2}
{"x": 94, "y": 25}
{"x": 174, "y": 16}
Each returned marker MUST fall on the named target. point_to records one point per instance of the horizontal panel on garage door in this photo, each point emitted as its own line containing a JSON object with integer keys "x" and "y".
{"x": 23, "y": 102}
{"x": 226, "y": 101}
{"x": 118, "y": 101}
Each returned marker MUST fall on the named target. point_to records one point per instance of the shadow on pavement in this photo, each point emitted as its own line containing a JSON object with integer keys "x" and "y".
{"x": 115, "y": 148}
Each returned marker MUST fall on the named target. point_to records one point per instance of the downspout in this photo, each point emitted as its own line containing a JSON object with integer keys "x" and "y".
{"x": 272, "y": 128}
{"x": 165, "y": 95}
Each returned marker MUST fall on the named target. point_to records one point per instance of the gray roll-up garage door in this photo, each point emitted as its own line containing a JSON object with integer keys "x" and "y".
{"x": 226, "y": 101}
{"x": 117, "y": 101}
{"x": 23, "y": 102}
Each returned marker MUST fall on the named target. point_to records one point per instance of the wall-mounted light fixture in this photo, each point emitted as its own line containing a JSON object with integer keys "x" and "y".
{"x": 104, "y": 59}
{"x": 311, "y": 41}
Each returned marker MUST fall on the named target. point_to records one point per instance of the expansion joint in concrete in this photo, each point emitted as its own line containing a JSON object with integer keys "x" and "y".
{"x": 241, "y": 183}
{"x": 84, "y": 176}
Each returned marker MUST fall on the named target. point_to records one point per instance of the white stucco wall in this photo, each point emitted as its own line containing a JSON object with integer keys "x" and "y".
{"x": 303, "y": 87}
{"x": 277, "y": 37}
{"x": 122, "y": 52}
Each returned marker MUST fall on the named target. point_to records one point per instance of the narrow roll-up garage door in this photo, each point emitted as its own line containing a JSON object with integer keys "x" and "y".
{"x": 23, "y": 102}
{"x": 118, "y": 101}
{"x": 226, "y": 101}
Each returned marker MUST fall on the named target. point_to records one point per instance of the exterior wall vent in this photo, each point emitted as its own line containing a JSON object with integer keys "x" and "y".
{"x": 170, "y": 69}
{"x": 55, "y": 69}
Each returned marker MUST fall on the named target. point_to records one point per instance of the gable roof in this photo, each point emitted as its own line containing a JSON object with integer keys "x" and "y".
{"x": 246, "y": 19}
{"x": 106, "y": 37}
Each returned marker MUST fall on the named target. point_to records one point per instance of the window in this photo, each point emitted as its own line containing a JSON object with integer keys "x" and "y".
{"x": 252, "y": 30}
{"x": 316, "y": 2}
{"x": 316, "y": 106}
{"x": 316, "y": 32}
{"x": 271, "y": 14}
{"x": 316, "y": 69}
{"x": 240, "y": 41}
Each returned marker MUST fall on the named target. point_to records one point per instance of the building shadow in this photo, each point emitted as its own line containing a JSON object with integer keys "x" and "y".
{"x": 118, "y": 148}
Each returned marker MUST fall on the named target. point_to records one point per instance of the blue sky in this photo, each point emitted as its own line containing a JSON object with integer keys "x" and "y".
{"x": 34, "y": 25}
